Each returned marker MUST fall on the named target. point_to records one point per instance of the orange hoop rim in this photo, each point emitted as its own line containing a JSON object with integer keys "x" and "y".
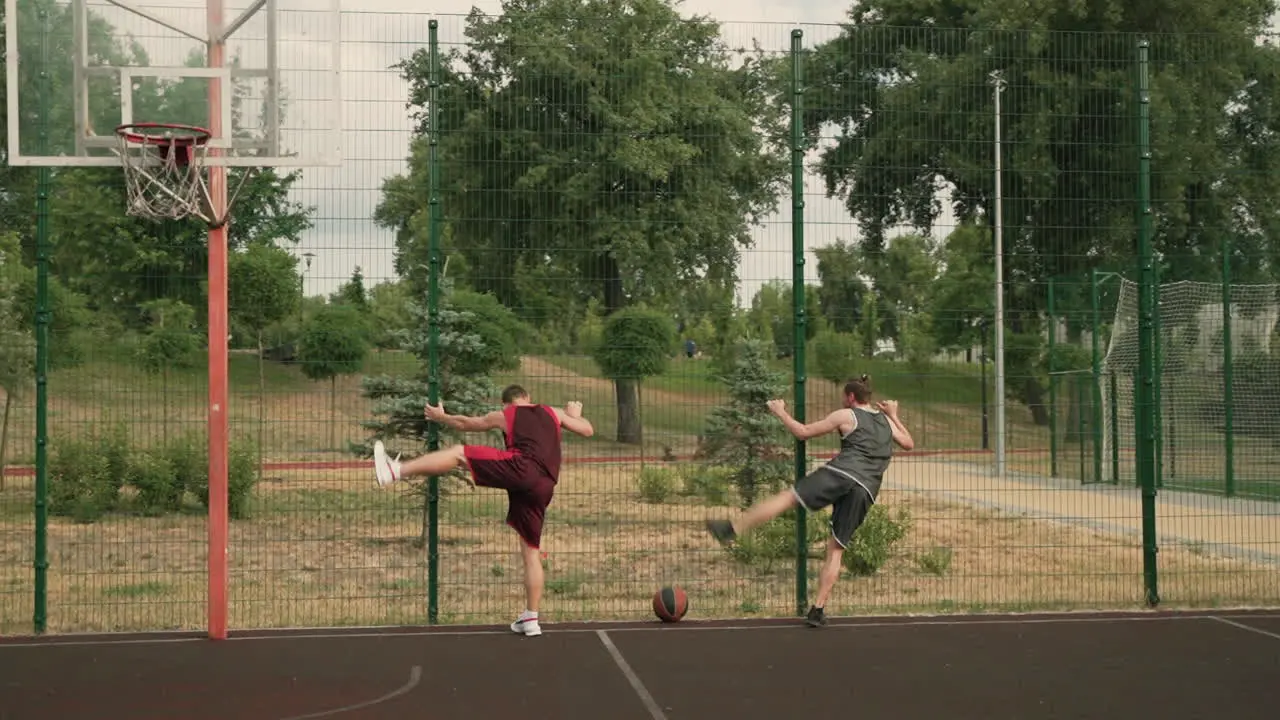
{"x": 196, "y": 135}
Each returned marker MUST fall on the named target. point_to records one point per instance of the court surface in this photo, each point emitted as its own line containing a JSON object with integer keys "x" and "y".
{"x": 1164, "y": 665}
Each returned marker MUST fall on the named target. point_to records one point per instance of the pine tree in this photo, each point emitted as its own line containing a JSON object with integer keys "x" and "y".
{"x": 741, "y": 434}
{"x": 467, "y": 357}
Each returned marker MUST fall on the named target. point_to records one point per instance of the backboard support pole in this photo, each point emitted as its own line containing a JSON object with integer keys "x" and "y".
{"x": 219, "y": 425}
{"x": 273, "y": 80}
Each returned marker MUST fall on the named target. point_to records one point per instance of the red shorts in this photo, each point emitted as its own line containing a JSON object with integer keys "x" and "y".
{"x": 529, "y": 487}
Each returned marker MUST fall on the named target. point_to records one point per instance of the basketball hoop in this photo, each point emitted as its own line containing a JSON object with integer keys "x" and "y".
{"x": 164, "y": 171}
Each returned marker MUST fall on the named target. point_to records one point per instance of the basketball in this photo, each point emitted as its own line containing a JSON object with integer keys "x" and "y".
{"x": 670, "y": 604}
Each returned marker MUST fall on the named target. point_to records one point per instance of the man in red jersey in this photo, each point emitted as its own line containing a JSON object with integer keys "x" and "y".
{"x": 528, "y": 469}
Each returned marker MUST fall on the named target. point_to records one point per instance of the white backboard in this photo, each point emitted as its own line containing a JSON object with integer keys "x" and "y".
{"x": 102, "y": 63}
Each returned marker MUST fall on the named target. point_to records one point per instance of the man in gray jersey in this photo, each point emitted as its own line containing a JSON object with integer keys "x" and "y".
{"x": 849, "y": 482}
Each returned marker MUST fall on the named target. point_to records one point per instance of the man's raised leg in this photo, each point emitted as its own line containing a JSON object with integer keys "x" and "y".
{"x": 759, "y": 514}
{"x": 433, "y": 463}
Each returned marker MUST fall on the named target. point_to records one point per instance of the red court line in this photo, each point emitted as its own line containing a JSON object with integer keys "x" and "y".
{"x": 293, "y": 465}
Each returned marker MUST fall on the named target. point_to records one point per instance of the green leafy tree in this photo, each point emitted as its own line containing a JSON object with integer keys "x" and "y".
{"x": 333, "y": 343}
{"x": 352, "y": 292}
{"x": 962, "y": 300}
{"x": 841, "y": 287}
{"x": 389, "y": 313}
{"x": 101, "y": 253}
{"x": 170, "y": 340}
{"x": 17, "y": 347}
{"x": 637, "y": 343}
{"x": 263, "y": 290}
{"x": 742, "y": 435}
{"x": 907, "y": 87}
{"x": 591, "y": 155}
{"x": 833, "y": 356}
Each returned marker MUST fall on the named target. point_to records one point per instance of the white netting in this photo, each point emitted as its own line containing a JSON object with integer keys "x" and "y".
{"x": 1192, "y": 384}
{"x": 165, "y": 181}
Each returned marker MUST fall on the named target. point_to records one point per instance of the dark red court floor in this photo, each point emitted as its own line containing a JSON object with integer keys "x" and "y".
{"x": 1223, "y": 665}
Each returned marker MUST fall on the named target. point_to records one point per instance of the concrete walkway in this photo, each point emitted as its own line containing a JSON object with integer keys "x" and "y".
{"x": 1245, "y": 529}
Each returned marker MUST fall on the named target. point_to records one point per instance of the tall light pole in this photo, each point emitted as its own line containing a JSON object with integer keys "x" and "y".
{"x": 997, "y": 80}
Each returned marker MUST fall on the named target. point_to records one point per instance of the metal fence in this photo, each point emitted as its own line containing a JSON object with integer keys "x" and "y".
{"x": 671, "y": 221}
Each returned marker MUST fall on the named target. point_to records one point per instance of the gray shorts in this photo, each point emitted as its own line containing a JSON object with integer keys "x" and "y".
{"x": 849, "y": 501}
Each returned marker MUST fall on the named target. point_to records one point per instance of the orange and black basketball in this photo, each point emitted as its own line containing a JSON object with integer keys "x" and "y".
{"x": 670, "y": 604}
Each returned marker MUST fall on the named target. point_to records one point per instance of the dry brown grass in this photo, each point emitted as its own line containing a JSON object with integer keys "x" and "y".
{"x": 327, "y": 549}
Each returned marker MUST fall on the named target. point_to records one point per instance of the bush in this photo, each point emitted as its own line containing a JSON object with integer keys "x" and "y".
{"x": 657, "y": 485}
{"x": 242, "y": 477}
{"x": 636, "y": 343}
{"x": 935, "y": 562}
{"x": 776, "y": 539}
{"x": 712, "y": 484}
{"x": 81, "y": 483}
{"x": 160, "y": 488}
{"x": 86, "y": 476}
{"x": 871, "y": 545}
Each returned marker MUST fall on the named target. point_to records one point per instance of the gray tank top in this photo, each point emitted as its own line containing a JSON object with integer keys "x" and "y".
{"x": 865, "y": 453}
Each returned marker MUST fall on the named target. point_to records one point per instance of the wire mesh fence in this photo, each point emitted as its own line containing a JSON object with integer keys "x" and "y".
{"x": 603, "y": 208}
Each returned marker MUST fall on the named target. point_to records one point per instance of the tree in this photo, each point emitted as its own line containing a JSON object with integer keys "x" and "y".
{"x": 475, "y": 342}
{"x": 263, "y": 289}
{"x": 577, "y": 134}
{"x": 352, "y": 292}
{"x": 906, "y": 89}
{"x": 841, "y": 287}
{"x": 332, "y": 344}
{"x": 17, "y": 347}
{"x": 742, "y": 434}
{"x": 101, "y": 252}
{"x": 833, "y": 356}
{"x": 478, "y": 338}
{"x": 637, "y": 343}
{"x": 962, "y": 299}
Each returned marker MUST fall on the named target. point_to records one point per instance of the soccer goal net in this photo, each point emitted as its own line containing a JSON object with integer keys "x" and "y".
{"x": 1218, "y": 425}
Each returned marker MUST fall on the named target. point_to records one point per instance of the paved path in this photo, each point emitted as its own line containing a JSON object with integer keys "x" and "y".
{"x": 1247, "y": 529}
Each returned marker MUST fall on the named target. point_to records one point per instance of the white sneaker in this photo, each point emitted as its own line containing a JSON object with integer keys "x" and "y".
{"x": 527, "y": 625}
{"x": 386, "y": 469}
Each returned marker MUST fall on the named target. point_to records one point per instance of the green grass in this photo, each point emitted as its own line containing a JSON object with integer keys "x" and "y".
{"x": 940, "y": 402}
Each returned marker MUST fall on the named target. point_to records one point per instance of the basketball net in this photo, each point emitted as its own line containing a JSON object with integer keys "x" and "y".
{"x": 166, "y": 174}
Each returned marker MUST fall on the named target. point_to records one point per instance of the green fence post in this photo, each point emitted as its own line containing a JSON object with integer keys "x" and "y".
{"x": 1228, "y": 380}
{"x": 797, "y": 301}
{"x": 1053, "y": 387}
{"x": 44, "y": 188}
{"x": 433, "y": 322}
{"x": 1146, "y": 408}
{"x": 1095, "y": 306}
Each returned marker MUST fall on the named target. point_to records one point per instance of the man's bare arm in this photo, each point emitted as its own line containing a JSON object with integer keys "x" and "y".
{"x": 901, "y": 435}
{"x": 466, "y": 423}
{"x": 571, "y": 419}
{"x": 806, "y": 431}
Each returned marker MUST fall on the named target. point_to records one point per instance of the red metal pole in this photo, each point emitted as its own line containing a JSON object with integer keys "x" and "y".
{"x": 218, "y": 392}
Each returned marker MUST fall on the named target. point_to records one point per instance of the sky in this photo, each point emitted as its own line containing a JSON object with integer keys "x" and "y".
{"x": 374, "y": 127}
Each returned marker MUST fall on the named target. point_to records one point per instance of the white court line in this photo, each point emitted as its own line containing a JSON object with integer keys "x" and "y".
{"x": 650, "y": 704}
{"x": 1250, "y": 628}
{"x": 321, "y": 634}
{"x": 415, "y": 675}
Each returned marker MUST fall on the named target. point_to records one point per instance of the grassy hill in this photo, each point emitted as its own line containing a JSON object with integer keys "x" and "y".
{"x": 298, "y": 419}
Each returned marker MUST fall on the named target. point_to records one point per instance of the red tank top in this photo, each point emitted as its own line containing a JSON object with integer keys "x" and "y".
{"x": 533, "y": 432}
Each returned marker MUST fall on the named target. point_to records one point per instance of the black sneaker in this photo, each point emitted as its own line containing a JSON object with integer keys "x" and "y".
{"x": 722, "y": 530}
{"x": 816, "y": 618}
